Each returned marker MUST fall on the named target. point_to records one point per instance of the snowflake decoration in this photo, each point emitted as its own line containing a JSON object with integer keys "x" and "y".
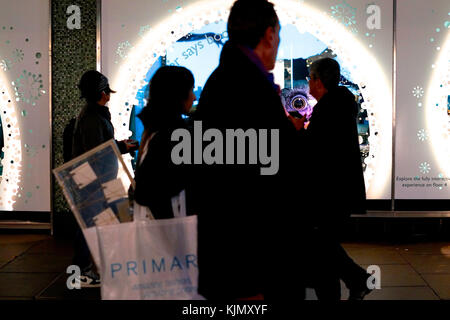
{"x": 5, "y": 64}
{"x": 418, "y": 92}
{"x": 123, "y": 48}
{"x": 18, "y": 55}
{"x": 422, "y": 135}
{"x": 345, "y": 14}
{"x": 143, "y": 30}
{"x": 425, "y": 168}
{"x": 29, "y": 87}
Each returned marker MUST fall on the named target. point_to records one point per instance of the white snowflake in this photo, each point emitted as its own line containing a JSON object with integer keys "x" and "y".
{"x": 29, "y": 87}
{"x": 425, "y": 167}
{"x": 18, "y": 55}
{"x": 346, "y": 14}
{"x": 422, "y": 135}
{"x": 123, "y": 48}
{"x": 418, "y": 92}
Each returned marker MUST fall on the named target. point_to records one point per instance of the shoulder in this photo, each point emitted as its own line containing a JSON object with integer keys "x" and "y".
{"x": 159, "y": 141}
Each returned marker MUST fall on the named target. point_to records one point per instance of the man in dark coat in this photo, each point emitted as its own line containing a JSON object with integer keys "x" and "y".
{"x": 335, "y": 181}
{"x": 240, "y": 248}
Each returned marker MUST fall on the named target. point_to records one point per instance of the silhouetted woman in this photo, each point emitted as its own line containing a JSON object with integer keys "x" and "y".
{"x": 158, "y": 180}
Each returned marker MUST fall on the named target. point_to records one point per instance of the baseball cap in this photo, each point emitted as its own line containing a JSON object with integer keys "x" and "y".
{"x": 92, "y": 83}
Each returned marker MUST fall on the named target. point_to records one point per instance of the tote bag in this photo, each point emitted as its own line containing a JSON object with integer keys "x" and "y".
{"x": 149, "y": 260}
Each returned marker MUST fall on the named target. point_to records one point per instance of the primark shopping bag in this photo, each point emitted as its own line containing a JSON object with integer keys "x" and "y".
{"x": 149, "y": 260}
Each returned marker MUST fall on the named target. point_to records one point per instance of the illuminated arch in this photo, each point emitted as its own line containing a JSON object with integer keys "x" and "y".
{"x": 356, "y": 58}
{"x": 437, "y": 119}
{"x": 12, "y": 160}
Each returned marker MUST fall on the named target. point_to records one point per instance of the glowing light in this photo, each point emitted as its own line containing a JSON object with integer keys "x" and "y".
{"x": 12, "y": 160}
{"x": 357, "y": 57}
{"x": 437, "y": 117}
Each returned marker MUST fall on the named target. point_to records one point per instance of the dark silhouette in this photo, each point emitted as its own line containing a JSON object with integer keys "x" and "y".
{"x": 157, "y": 178}
{"x": 241, "y": 213}
{"x": 335, "y": 182}
{"x": 92, "y": 128}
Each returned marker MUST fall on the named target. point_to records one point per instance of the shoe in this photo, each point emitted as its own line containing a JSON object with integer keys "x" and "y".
{"x": 358, "y": 294}
{"x": 89, "y": 279}
{"x": 89, "y": 282}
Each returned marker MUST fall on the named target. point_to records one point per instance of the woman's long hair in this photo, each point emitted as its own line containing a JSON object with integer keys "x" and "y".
{"x": 168, "y": 91}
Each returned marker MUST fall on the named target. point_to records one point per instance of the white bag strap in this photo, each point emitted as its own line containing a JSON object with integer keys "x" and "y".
{"x": 179, "y": 205}
{"x": 145, "y": 148}
{"x": 141, "y": 213}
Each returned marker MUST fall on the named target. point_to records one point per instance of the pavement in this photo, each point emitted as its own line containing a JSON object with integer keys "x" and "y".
{"x": 33, "y": 267}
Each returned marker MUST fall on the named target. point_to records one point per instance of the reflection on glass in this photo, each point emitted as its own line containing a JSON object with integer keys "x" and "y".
{"x": 200, "y": 50}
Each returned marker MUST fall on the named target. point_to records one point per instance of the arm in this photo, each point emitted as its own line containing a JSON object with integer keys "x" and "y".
{"x": 92, "y": 133}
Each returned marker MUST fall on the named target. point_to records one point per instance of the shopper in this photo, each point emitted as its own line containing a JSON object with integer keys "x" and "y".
{"x": 335, "y": 182}
{"x": 92, "y": 128}
{"x": 158, "y": 179}
{"x": 244, "y": 232}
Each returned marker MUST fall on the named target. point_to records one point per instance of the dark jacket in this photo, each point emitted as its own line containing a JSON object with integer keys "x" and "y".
{"x": 158, "y": 180}
{"x": 93, "y": 127}
{"x": 68, "y": 139}
{"x": 239, "y": 209}
{"x": 334, "y": 173}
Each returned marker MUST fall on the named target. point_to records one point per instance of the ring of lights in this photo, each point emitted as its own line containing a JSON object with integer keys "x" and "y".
{"x": 437, "y": 119}
{"x": 356, "y": 58}
{"x": 12, "y": 160}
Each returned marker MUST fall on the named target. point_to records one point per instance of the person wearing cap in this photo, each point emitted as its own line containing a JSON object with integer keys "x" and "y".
{"x": 93, "y": 127}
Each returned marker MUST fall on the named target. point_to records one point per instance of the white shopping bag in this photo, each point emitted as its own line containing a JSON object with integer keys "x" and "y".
{"x": 141, "y": 212}
{"x": 149, "y": 260}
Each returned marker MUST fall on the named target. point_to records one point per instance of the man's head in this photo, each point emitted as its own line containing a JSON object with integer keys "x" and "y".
{"x": 94, "y": 87}
{"x": 255, "y": 24}
{"x": 325, "y": 75}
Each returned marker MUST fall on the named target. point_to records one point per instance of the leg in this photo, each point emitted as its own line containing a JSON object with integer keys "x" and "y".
{"x": 82, "y": 255}
{"x": 351, "y": 273}
{"x": 324, "y": 275}
{"x": 328, "y": 289}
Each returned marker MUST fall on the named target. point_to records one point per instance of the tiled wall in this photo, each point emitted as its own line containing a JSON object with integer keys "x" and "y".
{"x": 74, "y": 52}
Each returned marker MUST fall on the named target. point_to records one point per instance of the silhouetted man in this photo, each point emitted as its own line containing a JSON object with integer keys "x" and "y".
{"x": 244, "y": 240}
{"x": 335, "y": 182}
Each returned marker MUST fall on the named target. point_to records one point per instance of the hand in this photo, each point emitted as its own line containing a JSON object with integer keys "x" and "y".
{"x": 297, "y": 122}
{"x": 132, "y": 145}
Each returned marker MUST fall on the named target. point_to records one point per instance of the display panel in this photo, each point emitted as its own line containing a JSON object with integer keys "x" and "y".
{"x": 423, "y": 107}
{"x": 191, "y": 34}
{"x": 24, "y": 105}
